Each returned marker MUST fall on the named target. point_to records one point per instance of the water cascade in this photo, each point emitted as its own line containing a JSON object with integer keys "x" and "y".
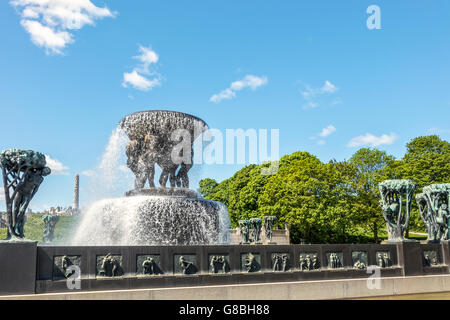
{"x": 174, "y": 215}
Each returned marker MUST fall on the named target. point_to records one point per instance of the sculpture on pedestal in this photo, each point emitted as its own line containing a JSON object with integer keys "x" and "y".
{"x": 256, "y": 224}
{"x": 396, "y": 200}
{"x": 244, "y": 230}
{"x": 23, "y": 172}
{"x": 269, "y": 222}
{"x": 433, "y": 205}
{"x": 50, "y": 221}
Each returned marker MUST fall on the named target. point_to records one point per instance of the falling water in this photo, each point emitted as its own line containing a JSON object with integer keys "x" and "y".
{"x": 154, "y": 220}
{"x": 145, "y": 219}
{"x": 112, "y": 176}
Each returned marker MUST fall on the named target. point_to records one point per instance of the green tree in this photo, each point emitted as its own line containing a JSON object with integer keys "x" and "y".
{"x": 297, "y": 194}
{"x": 330, "y": 202}
{"x": 207, "y": 186}
{"x": 427, "y": 161}
{"x": 371, "y": 167}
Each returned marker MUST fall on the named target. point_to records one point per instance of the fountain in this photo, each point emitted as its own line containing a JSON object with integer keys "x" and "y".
{"x": 174, "y": 215}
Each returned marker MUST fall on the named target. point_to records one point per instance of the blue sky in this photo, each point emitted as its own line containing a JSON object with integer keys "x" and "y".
{"x": 327, "y": 82}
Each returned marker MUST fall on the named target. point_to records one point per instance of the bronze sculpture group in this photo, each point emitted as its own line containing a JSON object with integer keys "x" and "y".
{"x": 250, "y": 230}
{"x": 163, "y": 138}
{"x": 433, "y": 205}
{"x": 23, "y": 172}
{"x": 50, "y": 221}
{"x": 309, "y": 262}
{"x": 111, "y": 266}
{"x": 396, "y": 200}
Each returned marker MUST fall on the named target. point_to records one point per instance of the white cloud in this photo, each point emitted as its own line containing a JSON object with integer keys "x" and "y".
{"x": 327, "y": 131}
{"x": 49, "y": 21}
{"x": 135, "y": 78}
{"x": 249, "y": 81}
{"x": 374, "y": 141}
{"x": 56, "y": 166}
{"x": 147, "y": 57}
{"x": 47, "y": 37}
{"x": 328, "y": 87}
{"x": 138, "y": 81}
{"x": 312, "y": 95}
{"x": 225, "y": 94}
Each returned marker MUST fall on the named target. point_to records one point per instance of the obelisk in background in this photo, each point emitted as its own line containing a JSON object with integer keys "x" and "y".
{"x": 76, "y": 194}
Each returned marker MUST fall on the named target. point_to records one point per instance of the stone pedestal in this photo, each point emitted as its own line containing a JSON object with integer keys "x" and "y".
{"x": 410, "y": 257}
{"x": 18, "y": 267}
{"x": 446, "y": 254}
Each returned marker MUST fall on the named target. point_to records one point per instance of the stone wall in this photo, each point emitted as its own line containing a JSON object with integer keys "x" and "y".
{"x": 139, "y": 267}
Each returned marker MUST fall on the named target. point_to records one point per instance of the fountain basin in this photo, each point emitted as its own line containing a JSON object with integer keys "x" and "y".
{"x": 154, "y": 216}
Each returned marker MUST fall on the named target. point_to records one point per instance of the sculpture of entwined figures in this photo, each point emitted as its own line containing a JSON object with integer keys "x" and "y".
{"x": 309, "y": 262}
{"x": 65, "y": 264}
{"x": 111, "y": 266}
{"x": 144, "y": 153}
{"x": 269, "y": 222}
{"x": 251, "y": 265}
{"x": 150, "y": 267}
{"x": 164, "y": 138}
{"x": 256, "y": 225}
{"x": 359, "y": 259}
{"x": 334, "y": 261}
{"x": 50, "y": 221}
{"x": 219, "y": 263}
{"x": 430, "y": 259}
{"x": 186, "y": 267}
{"x": 23, "y": 172}
{"x": 396, "y": 200}
{"x": 244, "y": 230}
{"x": 433, "y": 205}
{"x": 383, "y": 260}
{"x": 280, "y": 262}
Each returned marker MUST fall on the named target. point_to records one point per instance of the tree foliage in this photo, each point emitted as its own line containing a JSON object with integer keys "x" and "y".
{"x": 335, "y": 202}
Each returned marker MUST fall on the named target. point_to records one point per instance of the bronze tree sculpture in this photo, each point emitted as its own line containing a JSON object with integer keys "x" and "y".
{"x": 396, "y": 200}
{"x": 23, "y": 172}
{"x": 434, "y": 203}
